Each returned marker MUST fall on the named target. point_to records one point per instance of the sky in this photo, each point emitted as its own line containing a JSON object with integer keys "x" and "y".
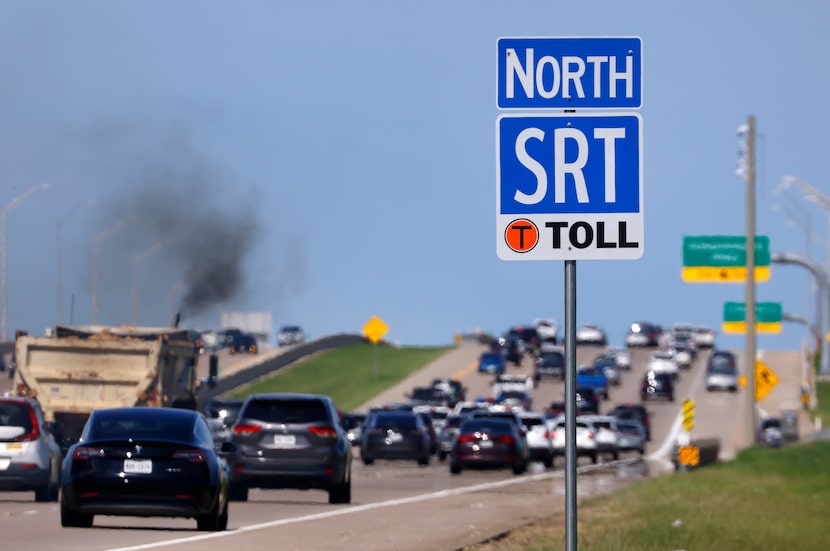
{"x": 328, "y": 162}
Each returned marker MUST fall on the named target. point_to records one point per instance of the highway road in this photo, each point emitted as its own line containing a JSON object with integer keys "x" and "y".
{"x": 398, "y": 505}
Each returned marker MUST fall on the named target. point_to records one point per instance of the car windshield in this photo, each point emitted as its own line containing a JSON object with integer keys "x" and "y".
{"x": 488, "y": 426}
{"x": 491, "y": 357}
{"x": 771, "y": 424}
{"x": 721, "y": 360}
{"x": 388, "y": 420}
{"x": 628, "y": 428}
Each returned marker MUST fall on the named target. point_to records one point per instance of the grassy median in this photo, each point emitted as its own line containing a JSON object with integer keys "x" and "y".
{"x": 351, "y": 375}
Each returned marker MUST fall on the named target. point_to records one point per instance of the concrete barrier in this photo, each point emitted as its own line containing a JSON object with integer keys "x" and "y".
{"x": 267, "y": 366}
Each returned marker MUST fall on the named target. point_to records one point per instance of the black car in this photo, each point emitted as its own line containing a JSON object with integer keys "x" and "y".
{"x": 430, "y": 396}
{"x": 454, "y": 387}
{"x": 633, "y": 412}
{"x": 657, "y": 385}
{"x": 145, "y": 462}
{"x": 550, "y": 363}
{"x": 489, "y": 442}
{"x": 721, "y": 358}
{"x": 512, "y": 351}
{"x": 395, "y": 435}
{"x": 235, "y": 340}
{"x": 352, "y": 422}
{"x": 290, "y": 440}
{"x": 587, "y": 400}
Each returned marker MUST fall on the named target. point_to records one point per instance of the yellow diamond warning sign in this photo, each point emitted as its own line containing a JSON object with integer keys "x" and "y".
{"x": 375, "y": 329}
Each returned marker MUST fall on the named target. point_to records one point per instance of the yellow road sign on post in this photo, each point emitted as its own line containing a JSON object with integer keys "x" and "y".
{"x": 765, "y": 380}
{"x": 375, "y": 329}
{"x": 688, "y": 456}
{"x": 688, "y": 415}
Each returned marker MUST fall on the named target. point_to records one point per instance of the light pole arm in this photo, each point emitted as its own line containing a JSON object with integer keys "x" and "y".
{"x": 823, "y": 284}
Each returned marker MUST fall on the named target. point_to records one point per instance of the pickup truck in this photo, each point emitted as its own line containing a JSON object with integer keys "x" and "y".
{"x": 590, "y": 376}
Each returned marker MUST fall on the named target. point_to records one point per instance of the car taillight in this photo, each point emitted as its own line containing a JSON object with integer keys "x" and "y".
{"x": 86, "y": 452}
{"x": 506, "y": 439}
{"x": 246, "y": 428}
{"x": 323, "y": 432}
{"x": 465, "y": 438}
{"x": 590, "y": 436}
{"x": 33, "y": 434}
{"x": 194, "y": 456}
{"x": 548, "y": 434}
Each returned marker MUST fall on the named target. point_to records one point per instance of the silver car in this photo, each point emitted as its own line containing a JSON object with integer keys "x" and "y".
{"x": 722, "y": 377}
{"x": 30, "y": 456}
{"x": 632, "y": 436}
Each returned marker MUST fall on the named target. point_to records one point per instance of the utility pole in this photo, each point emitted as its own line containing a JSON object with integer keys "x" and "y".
{"x": 751, "y": 346}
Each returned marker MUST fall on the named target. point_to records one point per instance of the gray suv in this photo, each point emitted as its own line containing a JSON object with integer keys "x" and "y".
{"x": 30, "y": 456}
{"x": 288, "y": 440}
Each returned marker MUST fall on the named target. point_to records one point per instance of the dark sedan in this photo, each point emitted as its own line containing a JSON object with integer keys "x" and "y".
{"x": 489, "y": 442}
{"x": 288, "y": 440}
{"x": 395, "y": 435}
{"x": 145, "y": 462}
{"x": 657, "y": 385}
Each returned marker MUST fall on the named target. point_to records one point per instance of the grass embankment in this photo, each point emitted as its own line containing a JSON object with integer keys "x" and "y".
{"x": 766, "y": 499}
{"x": 823, "y": 408}
{"x": 351, "y": 375}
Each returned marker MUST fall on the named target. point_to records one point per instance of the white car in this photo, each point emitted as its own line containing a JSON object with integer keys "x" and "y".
{"x": 509, "y": 382}
{"x": 539, "y": 440}
{"x": 622, "y": 356}
{"x": 586, "y": 443}
{"x": 722, "y": 377}
{"x": 704, "y": 337}
{"x": 682, "y": 356}
{"x": 590, "y": 333}
{"x": 663, "y": 361}
{"x": 606, "y": 434}
{"x": 290, "y": 335}
{"x": 547, "y": 329}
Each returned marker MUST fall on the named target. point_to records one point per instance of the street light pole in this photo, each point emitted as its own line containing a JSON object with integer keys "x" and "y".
{"x": 96, "y": 254}
{"x": 751, "y": 344}
{"x": 3, "y": 251}
{"x": 134, "y": 276}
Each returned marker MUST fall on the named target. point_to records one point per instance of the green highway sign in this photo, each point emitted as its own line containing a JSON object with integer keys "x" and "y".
{"x": 722, "y": 258}
{"x": 768, "y": 317}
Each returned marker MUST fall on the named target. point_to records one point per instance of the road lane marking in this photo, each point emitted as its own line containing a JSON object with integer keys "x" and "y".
{"x": 370, "y": 506}
{"x": 466, "y": 371}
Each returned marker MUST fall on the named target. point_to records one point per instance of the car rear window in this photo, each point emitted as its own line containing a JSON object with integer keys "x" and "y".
{"x": 530, "y": 422}
{"x": 490, "y": 426}
{"x": 122, "y": 424}
{"x": 17, "y": 416}
{"x": 286, "y": 411}
{"x": 394, "y": 420}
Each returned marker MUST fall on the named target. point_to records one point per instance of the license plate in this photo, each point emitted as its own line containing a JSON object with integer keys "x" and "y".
{"x": 284, "y": 440}
{"x": 4, "y": 464}
{"x": 394, "y": 437}
{"x": 140, "y": 466}
{"x": 486, "y": 443}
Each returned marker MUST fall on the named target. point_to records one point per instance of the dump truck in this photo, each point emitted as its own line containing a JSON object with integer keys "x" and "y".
{"x": 82, "y": 368}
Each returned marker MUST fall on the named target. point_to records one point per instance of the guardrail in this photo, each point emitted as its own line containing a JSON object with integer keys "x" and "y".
{"x": 265, "y": 367}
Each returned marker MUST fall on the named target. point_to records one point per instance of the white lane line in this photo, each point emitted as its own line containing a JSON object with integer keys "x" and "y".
{"x": 370, "y": 506}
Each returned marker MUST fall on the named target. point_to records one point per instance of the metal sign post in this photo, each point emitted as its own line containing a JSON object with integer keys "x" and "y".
{"x": 569, "y": 186}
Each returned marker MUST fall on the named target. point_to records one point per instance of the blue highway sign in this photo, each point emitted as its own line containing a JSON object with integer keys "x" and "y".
{"x": 570, "y": 73}
{"x": 569, "y": 186}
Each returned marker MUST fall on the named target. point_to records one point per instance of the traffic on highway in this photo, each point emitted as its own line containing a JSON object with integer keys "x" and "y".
{"x": 463, "y": 445}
